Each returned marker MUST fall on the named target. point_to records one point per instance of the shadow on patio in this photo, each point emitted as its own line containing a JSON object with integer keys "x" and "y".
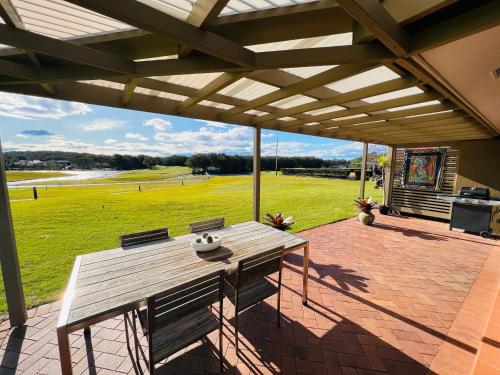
{"x": 384, "y": 303}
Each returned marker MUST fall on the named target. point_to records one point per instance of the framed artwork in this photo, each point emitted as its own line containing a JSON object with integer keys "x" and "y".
{"x": 423, "y": 169}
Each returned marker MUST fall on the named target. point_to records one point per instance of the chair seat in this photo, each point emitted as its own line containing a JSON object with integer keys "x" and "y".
{"x": 170, "y": 337}
{"x": 251, "y": 294}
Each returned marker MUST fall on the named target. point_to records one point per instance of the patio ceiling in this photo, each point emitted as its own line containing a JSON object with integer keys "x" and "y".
{"x": 348, "y": 69}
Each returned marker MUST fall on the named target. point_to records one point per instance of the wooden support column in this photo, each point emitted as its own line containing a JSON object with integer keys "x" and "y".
{"x": 8, "y": 256}
{"x": 389, "y": 175}
{"x": 363, "y": 171}
{"x": 256, "y": 174}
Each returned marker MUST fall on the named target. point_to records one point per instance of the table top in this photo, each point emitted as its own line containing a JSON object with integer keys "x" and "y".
{"x": 110, "y": 282}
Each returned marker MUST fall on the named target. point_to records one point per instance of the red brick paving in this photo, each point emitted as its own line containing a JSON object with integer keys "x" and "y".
{"x": 405, "y": 296}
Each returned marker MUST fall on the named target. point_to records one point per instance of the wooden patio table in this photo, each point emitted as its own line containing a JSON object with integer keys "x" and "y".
{"x": 109, "y": 283}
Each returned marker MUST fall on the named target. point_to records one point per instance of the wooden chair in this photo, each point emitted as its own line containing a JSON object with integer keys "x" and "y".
{"x": 138, "y": 238}
{"x": 250, "y": 286}
{"x": 181, "y": 316}
{"x": 203, "y": 226}
{"x": 127, "y": 240}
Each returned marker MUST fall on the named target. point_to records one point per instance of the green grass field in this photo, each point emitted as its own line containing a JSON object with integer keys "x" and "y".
{"x": 13, "y": 176}
{"x": 157, "y": 173}
{"x": 68, "y": 221}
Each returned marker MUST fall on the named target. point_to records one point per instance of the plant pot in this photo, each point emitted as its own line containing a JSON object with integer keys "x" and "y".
{"x": 366, "y": 218}
{"x": 384, "y": 210}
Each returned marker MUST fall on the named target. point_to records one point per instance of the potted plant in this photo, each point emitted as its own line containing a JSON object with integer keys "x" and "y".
{"x": 365, "y": 207}
{"x": 279, "y": 221}
{"x": 383, "y": 162}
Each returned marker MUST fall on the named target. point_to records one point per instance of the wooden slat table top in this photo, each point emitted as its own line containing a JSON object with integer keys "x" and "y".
{"x": 106, "y": 283}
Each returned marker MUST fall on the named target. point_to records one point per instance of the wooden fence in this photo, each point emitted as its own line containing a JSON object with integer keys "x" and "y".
{"x": 316, "y": 172}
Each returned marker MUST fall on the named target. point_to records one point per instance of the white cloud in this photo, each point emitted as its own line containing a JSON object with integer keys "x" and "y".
{"x": 33, "y": 108}
{"x": 158, "y": 124}
{"x": 213, "y": 124}
{"x": 137, "y": 136}
{"x": 110, "y": 141}
{"x": 103, "y": 125}
{"x": 234, "y": 140}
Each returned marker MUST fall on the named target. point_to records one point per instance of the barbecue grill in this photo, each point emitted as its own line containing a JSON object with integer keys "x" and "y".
{"x": 472, "y": 210}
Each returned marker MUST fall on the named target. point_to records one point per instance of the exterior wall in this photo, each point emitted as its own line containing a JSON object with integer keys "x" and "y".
{"x": 478, "y": 164}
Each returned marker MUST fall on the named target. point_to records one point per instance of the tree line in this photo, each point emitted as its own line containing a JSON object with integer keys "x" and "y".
{"x": 231, "y": 164}
{"x": 15, "y": 159}
{"x": 199, "y": 163}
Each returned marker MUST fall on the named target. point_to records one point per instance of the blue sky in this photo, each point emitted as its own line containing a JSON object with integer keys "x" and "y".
{"x": 30, "y": 123}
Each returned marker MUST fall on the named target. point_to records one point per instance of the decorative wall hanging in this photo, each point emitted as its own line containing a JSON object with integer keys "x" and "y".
{"x": 423, "y": 169}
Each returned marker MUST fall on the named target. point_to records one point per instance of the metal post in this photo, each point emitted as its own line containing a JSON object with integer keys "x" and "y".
{"x": 363, "y": 171}
{"x": 8, "y": 256}
{"x": 256, "y": 174}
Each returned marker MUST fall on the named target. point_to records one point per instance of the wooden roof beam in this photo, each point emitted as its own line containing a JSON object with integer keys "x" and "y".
{"x": 373, "y": 107}
{"x": 372, "y": 15}
{"x": 128, "y": 90}
{"x": 153, "y": 20}
{"x": 265, "y": 26}
{"x": 11, "y": 18}
{"x": 328, "y": 76}
{"x": 419, "y": 111}
{"x": 60, "y": 49}
{"x": 397, "y": 121}
{"x": 22, "y": 71}
{"x": 374, "y": 53}
{"x": 224, "y": 80}
{"x": 365, "y": 92}
{"x": 474, "y": 21}
{"x": 203, "y": 13}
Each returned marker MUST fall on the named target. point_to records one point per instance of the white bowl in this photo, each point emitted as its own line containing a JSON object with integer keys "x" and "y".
{"x": 204, "y": 246}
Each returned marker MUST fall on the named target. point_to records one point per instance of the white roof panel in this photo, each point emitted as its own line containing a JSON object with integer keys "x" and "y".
{"x": 292, "y": 101}
{"x": 417, "y": 105}
{"x": 320, "y": 111}
{"x": 393, "y": 95}
{"x": 196, "y": 81}
{"x": 241, "y": 6}
{"x": 365, "y": 79}
{"x": 247, "y": 89}
{"x": 59, "y": 19}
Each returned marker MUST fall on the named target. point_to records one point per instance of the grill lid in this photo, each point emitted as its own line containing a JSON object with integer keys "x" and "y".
{"x": 475, "y": 192}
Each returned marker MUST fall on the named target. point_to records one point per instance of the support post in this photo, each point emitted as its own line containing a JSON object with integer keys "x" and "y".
{"x": 8, "y": 256}
{"x": 363, "y": 171}
{"x": 389, "y": 175}
{"x": 256, "y": 174}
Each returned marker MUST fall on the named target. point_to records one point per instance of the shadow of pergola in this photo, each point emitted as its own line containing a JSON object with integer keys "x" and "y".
{"x": 267, "y": 349}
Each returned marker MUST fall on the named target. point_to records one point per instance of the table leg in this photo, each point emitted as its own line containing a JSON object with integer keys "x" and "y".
{"x": 64, "y": 351}
{"x": 305, "y": 274}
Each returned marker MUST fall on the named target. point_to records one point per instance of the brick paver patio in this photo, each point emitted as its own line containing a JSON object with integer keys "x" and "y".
{"x": 405, "y": 296}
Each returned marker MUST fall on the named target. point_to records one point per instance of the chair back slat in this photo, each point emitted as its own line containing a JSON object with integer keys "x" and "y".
{"x": 203, "y": 226}
{"x": 258, "y": 266}
{"x": 131, "y": 239}
{"x": 186, "y": 298}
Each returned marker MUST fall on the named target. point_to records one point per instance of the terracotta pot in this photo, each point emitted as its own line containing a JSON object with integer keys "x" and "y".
{"x": 366, "y": 218}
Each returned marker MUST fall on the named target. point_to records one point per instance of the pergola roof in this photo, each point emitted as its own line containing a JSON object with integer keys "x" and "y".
{"x": 348, "y": 69}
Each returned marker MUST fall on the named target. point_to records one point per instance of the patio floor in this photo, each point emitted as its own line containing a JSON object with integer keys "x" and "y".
{"x": 405, "y": 296}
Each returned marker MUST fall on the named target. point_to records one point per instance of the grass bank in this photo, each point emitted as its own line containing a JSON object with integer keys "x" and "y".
{"x": 67, "y": 221}
{"x": 13, "y": 176}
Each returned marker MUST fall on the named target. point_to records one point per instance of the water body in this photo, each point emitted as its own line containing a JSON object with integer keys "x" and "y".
{"x": 71, "y": 176}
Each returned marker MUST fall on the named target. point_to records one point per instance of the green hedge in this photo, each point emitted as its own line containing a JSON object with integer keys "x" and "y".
{"x": 316, "y": 172}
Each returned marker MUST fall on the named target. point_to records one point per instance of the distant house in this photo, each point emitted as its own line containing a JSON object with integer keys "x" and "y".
{"x": 213, "y": 169}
